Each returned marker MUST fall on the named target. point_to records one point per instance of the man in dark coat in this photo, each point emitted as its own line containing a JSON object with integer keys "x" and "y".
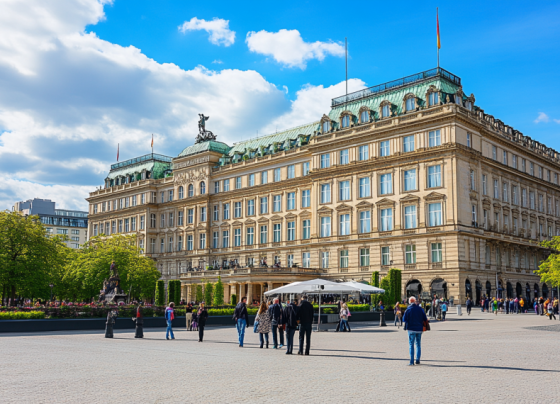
{"x": 290, "y": 318}
{"x": 275, "y": 312}
{"x": 241, "y": 318}
{"x": 305, "y": 317}
{"x": 139, "y": 322}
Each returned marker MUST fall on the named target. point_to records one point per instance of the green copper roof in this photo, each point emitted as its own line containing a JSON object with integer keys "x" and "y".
{"x": 279, "y": 137}
{"x": 211, "y": 145}
{"x": 395, "y": 97}
{"x": 155, "y": 167}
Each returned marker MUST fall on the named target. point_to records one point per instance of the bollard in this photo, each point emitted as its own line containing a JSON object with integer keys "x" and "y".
{"x": 382, "y": 319}
{"x": 459, "y": 311}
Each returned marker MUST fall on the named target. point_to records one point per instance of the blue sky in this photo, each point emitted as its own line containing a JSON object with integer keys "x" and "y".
{"x": 81, "y": 76}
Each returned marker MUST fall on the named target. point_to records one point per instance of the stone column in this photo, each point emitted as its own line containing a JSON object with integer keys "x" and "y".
{"x": 188, "y": 293}
{"x": 227, "y": 291}
{"x": 232, "y": 290}
{"x": 183, "y": 292}
{"x": 249, "y": 293}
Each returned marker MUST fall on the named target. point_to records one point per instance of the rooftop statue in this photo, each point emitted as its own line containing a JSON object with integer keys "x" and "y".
{"x": 203, "y": 134}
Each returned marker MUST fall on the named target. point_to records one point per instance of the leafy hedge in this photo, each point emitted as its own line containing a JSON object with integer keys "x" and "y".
{"x": 22, "y": 315}
{"x": 358, "y": 307}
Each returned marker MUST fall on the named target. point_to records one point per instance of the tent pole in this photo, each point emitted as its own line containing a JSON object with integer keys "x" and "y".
{"x": 319, "y": 320}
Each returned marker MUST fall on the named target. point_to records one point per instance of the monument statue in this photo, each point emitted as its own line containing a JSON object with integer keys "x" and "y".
{"x": 203, "y": 134}
{"x": 112, "y": 292}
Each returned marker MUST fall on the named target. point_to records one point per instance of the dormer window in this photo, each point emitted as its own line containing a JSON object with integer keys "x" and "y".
{"x": 433, "y": 99}
{"x": 346, "y": 121}
{"x": 469, "y": 102}
{"x": 409, "y": 102}
{"x": 385, "y": 109}
{"x": 326, "y": 126}
{"x": 364, "y": 116}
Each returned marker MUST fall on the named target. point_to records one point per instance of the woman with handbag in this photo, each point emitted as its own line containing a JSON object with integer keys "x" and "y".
{"x": 263, "y": 324}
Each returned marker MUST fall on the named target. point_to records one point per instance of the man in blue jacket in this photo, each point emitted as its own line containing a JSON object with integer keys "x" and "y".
{"x": 414, "y": 318}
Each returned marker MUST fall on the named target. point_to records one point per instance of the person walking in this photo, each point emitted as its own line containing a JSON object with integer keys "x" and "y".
{"x": 414, "y": 320}
{"x": 398, "y": 314}
{"x": 139, "y": 319}
{"x": 169, "y": 316}
{"x": 189, "y": 316}
{"x": 343, "y": 317}
{"x": 550, "y": 310}
{"x": 469, "y": 306}
{"x": 264, "y": 324}
{"x": 290, "y": 317}
{"x": 521, "y": 304}
{"x": 495, "y": 306}
{"x": 241, "y": 319}
{"x": 443, "y": 310}
{"x": 275, "y": 311}
{"x": 202, "y": 315}
{"x": 305, "y": 317}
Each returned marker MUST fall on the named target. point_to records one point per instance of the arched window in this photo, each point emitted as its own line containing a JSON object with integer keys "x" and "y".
{"x": 364, "y": 116}
{"x": 181, "y": 192}
{"x": 410, "y": 104}
{"x": 346, "y": 121}
{"x": 202, "y": 188}
{"x": 326, "y": 126}
{"x": 433, "y": 99}
{"x": 385, "y": 109}
{"x": 191, "y": 190}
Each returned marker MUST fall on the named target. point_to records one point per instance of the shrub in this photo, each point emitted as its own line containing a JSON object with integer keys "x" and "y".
{"x": 160, "y": 293}
{"x": 234, "y": 300}
{"x": 22, "y": 315}
{"x": 208, "y": 291}
{"x": 219, "y": 293}
{"x": 198, "y": 295}
{"x": 358, "y": 307}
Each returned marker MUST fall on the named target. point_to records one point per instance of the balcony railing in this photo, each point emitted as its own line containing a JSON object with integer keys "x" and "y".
{"x": 255, "y": 270}
{"x": 391, "y": 85}
{"x": 147, "y": 157}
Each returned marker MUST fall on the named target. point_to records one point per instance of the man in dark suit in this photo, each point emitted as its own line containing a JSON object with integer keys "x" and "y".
{"x": 290, "y": 318}
{"x": 305, "y": 317}
{"x": 275, "y": 312}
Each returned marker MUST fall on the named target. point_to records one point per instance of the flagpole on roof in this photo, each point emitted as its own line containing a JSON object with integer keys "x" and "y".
{"x": 346, "y": 53}
{"x": 438, "y": 40}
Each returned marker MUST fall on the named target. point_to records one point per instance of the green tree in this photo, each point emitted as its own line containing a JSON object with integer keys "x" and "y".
{"x": 89, "y": 266}
{"x": 386, "y": 297}
{"x": 219, "y": 293}
{"x": 160, "y": 293}
{"x": 177, "y": 296}
{"x": 234, "y": 299}
{"x": 30, "y": 259}
{"x": 208, "y": 291}
{"x": 198, "y": 293}
{"x": 549, "y": 269}
{"x": 170, "y": 291}
{"x": 375, "y": 279}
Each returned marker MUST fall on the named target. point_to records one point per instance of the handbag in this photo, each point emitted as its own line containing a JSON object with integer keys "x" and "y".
{"x": 256, "y": 326}
{"x": 426, "y": 325}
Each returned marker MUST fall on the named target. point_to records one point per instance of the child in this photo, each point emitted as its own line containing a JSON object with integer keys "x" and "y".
{"x": 443, "y": 310}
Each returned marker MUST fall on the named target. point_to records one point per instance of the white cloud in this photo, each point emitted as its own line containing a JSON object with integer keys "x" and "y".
{"x": 310, "y": 104}
{"x": 218, "y": 62}
{"x": 542, "y": 118}
{"x": 219, "y": 31}
{"x": 287, "y": 47}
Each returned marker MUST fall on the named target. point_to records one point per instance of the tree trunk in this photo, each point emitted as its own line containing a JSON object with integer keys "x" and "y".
{"x": 13, "y": 295}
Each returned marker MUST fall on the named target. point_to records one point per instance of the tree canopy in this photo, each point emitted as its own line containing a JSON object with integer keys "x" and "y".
{"x": 549, "y": 269}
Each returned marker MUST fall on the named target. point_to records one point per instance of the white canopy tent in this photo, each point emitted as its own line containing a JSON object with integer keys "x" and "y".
{"x": 364, "y": 288}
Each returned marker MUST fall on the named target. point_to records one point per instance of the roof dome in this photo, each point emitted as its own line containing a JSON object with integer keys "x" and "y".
{"x": 210, "y": 145}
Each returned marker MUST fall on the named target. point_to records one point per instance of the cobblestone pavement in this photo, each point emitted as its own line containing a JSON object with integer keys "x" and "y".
{"x": 480, "y": 358}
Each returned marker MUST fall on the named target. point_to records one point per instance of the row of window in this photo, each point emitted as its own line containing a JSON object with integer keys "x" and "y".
{"x": 124, "y": 226}
{"x": 122, "y": 203}
{"x": 50, "y": 230}
{"x": 539, "y": 172}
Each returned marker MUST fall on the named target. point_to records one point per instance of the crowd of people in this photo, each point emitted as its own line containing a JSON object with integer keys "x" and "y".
{"x": 541, "y": 306}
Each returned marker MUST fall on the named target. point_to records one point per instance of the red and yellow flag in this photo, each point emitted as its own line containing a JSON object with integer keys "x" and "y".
{"x": 437, "y": 21}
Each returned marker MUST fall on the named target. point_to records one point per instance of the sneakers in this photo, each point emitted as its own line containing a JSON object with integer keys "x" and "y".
{"x": 417, "y": 362}
{"x": 280, "y": 346}
{"x": 411, "y": 364}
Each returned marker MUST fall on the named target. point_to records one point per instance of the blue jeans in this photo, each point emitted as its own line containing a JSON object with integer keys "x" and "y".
{"x": 275, "y": 329}
{"x": 343, "y": 325}
{"x": 414, "y": 337}
{"x": 241, "y": 325}
{"x": 169, "y": 330}
{"x": 262, "y": 338}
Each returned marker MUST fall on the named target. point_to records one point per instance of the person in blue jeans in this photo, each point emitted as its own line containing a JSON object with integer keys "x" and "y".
{"x": 241, "y": 319}
{"x": 443, "y": 310}
{"x": 169, "y": 316}
{"x": 413, "y": 319}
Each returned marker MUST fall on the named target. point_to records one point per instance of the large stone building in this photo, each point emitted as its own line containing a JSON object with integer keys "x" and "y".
{"x": 62, "y": 222}
{"x": 409, "y": 174}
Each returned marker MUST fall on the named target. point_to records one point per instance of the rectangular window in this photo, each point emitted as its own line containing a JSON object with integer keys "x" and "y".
{"x": 434, "y": 210}
{"x": 469, "y": 140}
{"x": 524, "y": 197}
{"x": 290, "y": 260}
{"x": 251, "y": 180}
{"x": 484, "y": 186}
{"x": 364, "y": 257}
{"x": 305, "y": 198}
{"x": 410, "y": 254}
{"x": 264, "y": 205}
{"x": 385, "y": 256}
{"x": 410, "y": 180}
{"x": 326, "y": 226}
{"x": 203, "y": 214}
{"x": 473, "y": 183}
{"x": 179, "y": 243}
{"x": 277, "y": 175}
{"x": 216, "y": 213}
{"x": 365, "y": 190}
{"x": 291, "y": 171}
{"x": 494, "y": 153}
{"x": 434, "y": 138}
{"x": 496, "y": 189}
{"x": 264, "y": 177}
{"x": 237, "y": 237}
{"x": 226, "y": 185}
{"x": 162, "y": 220}
{"x": 344, "y": 190}
{"x": 237, "y": 210}
{"x": 325, "y": 193}
{"x": 291, "y": 231}
{"x": 384, "y": 149}
{"x": 162, "y": 245}
{"x": 306, "y": 258}
{"x": 134, "y": 199}
{"x": 141, "y": 223}
{"x": 363, "y": 152}
{"x": 142, "y": 199}
{"x": 190, "y": 216}
{"x": 474, "y": 216}
{"x": 161, "y": 197}
{"x": 504, "y": 157}
{"x": 365, "y": 221}
{"x": 291, "y": 200}
{"x": 531, "y": 168}
{"x": 127, "y": 202}
{"x": 386, "y": 219}
{"x": 410, "y": 217}
{"x": 305, "y": 168}
{"x": 344, "y": 229}
{"x": 434, "y": 176}
{"x": 277, "y": 233}
{"x": 344, "y": 157}
{"x": 217, "y": 187}
{"x": 190, "y": 245}
{"x": 226, "y": 211}
{"x": 250, "y": 207}
{"x": 437, "y": 255}
{"x": 514, "y": 161}
{"x": 505, "y": 192}
{"x": 277, "y": 203}
{"x": 215, "y": 239}
{"x": 386, "y": 184}
{"x": 202, "y": 241}
{"x": 408, "y": 144}
{"x": 324, "y": 259}
{"x": 532, "y": 200}
{"x": 152, "y": 245}
{"x": 133, "y": 224}
{"x": 343, "y": 258}
{"x": 264, "y": 234}
{"x": 306, "y": 230}
{"x": 540, "y": 172}
{"x": 170, "y": 219}
{"x": 250, "y": 236}
{"x": 225, "y": 239}
{"x": 325, "y": 160}
{"x": 114, "y": 224}
{"x": 238, "y": 183}
{"x": 120, "y": 227}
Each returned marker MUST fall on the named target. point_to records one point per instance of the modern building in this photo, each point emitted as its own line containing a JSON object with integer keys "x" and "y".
{"x": 71, "y": 223}
{"x": 409, "y": 174}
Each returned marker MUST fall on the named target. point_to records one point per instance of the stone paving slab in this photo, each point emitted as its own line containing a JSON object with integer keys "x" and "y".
{"x": 480, "y": 358}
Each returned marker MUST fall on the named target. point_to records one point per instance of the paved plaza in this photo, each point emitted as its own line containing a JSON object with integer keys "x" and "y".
{"x": 481, "y": 358}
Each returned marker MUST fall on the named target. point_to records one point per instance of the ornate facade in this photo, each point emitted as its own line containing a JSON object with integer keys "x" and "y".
{"x": 409, "y": 174}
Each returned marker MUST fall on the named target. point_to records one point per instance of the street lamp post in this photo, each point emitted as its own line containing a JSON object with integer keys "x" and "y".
{"x": 51, "y": 286}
